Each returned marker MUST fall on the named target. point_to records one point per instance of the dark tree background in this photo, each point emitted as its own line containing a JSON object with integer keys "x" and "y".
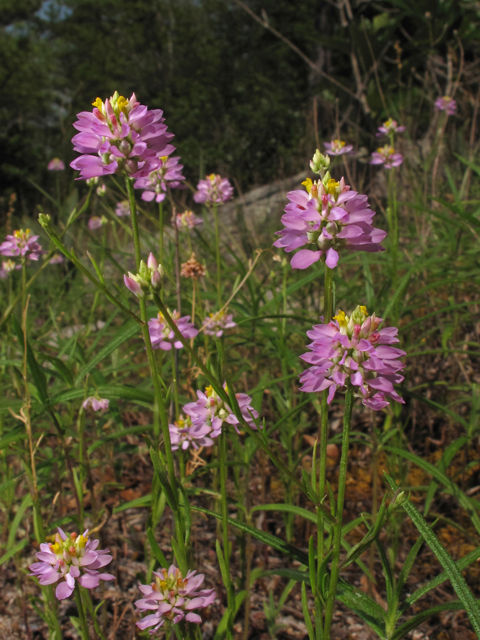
{"x": 239, "y": 99}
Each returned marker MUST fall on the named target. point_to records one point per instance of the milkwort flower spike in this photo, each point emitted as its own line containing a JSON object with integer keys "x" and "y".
{"x": 162, "y": 336}
{"x": 120, "y": 136}
{"x": 353, "y": 351}
{"x": 21, "y": 244}
{"x": 173, "y": 598}
{"x": 70, "y": 559}
{"x": 211, "y": 410}
{"x": 329, "y": 216}
{"x": 148, "y": 279}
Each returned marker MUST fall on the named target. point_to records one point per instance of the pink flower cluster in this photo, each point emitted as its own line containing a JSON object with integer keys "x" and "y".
{"x": 120, "y": 135}
{"x": 386, "y": 155}
{"x": 162, "y": 336}
{"x": 330, "y": 216}
{"x": 446, "y": 104}
{"x": 56, "y": 165}
{"x": 338, "y": 148}
{"x": 97, "y": 404}
{"x": 389, "y": 127}
{"x": 122, "y": 209}
{"x": 71, "y": 558}
{"x": 210, "y": 410}
{"x": 21, "y": 245}
{"x": 167, "y": 174}
{"x": 186, "y": 221}
{"x": 213, "y": 190}
{"x": 173, "y": 598}
{"x": 184, "y": 433}
{"x": 352, "y": 351}
{"x": 216, "y": 323}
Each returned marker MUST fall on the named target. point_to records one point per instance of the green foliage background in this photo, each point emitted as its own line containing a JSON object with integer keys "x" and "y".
{"x": 238, "y": 99}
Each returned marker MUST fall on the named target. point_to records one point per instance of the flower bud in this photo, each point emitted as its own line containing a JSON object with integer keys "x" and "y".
{"x": 44, "y": 220}
{"x": 132, "y": 284}
{"x": 152, "y": 262}
{"x": 319, "y": 163}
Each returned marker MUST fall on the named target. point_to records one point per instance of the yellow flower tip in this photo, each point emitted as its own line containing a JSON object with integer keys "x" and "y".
{"x": 308, "y": 183}
{"x": 341, "y": 318}
{"x": 122, "y": 103}
{"x": 98, "y": 103}
{"x": 332, "y": 184}
{"x": 209, "y": 391}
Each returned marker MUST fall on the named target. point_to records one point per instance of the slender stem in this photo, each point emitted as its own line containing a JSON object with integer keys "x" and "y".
{"x": 175, "y": 382}
{"x": 322, "y": 472}
{"x": 337, "y": 535}
{"x": 146, "y": 337}
{"x": 134, "y": 221}
{"x": 160, "y": 226}
{"x": 217, "y": 251}
{"x": 81, "y": 613}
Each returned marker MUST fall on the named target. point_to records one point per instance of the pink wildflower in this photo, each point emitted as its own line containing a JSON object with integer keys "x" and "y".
{"x": 122, "y": 208}
{"x": 173, "y": 598}
{"x": 330, "y": 216}
{"x": 56, "y": 165}
{"x": 213, "y": 190}
{"x": 216, "y": 323}
{"x": 337, "y": 147}
{"x": 386, "y": 155}
{"x": 351, "y": 351}
{"x": 96, "y": 223}
{"x": 120, "y": 135}
{"x": 210, "y": 410}
{"x": 446, "y": 104}
{"x": 71, "y": 558}
{"x": 162, "y": 336}
{"x": 184, "y": 433}
{"x": 168, "y": 173}
{"x": 97, "y": 404}
{"x": 389, "y": 127}
{"x": 21, "y": 244}
{"x": 186, "y": 220}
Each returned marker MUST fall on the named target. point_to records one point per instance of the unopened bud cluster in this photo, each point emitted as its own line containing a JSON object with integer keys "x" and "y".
{"x": 148, "y": 279}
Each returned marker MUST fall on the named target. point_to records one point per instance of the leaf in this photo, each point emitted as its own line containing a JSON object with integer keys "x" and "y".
{"x": 25, "y": 504}
{"x": 266, "y": 538}
{"x": 432, "y": 470}
{"x": 458, "y": 581}
{"x": 61, "y": 367}
{"x": 13, "y": 551}
{"x": 17, "y": 434}
{"x": 417, "y": 620}
{"x": 157, "y": 552}
{"x": 127, "y": 331}
{"x": 462, "y": 564}
{"x": 36, "y": 372}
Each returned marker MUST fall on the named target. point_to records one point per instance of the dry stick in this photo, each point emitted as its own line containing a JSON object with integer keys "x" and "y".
{"x": 298, "y": 51}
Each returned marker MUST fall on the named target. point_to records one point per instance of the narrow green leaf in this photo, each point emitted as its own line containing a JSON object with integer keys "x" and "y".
{"x": 458, "y": 581}
{"x": 157, "y": 552}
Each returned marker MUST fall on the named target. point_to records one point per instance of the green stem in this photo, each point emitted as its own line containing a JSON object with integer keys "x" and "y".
{"x": 160, "y": 226}
{"x": 322, "y": 473}
{"x": 81, "y": 613}
{"x": 217, "y": 251}
{"x": 175, "y": 382}
{"x": 337, "y": 535}
{"x": 88, "y": 600}
{"x": 134, "y": 221}
{"x": 226, "y": 549}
